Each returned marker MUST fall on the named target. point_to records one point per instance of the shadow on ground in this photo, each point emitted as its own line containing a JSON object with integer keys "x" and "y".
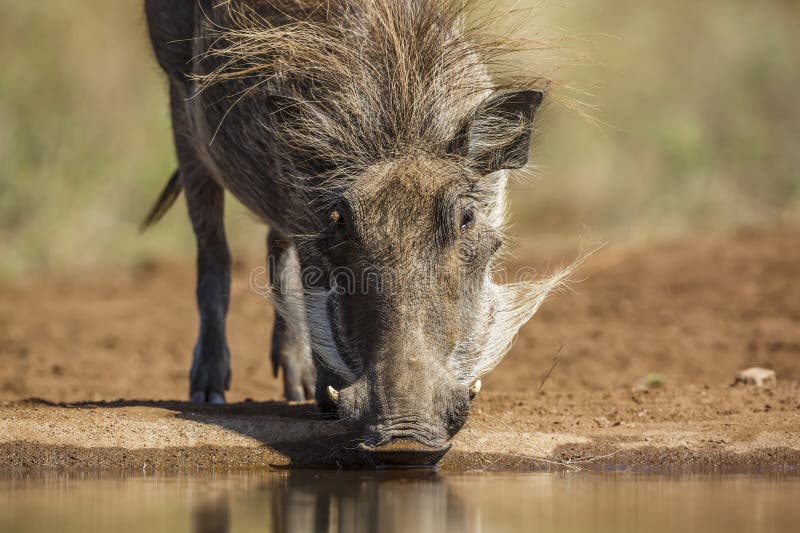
{"x": 295, "y": 431}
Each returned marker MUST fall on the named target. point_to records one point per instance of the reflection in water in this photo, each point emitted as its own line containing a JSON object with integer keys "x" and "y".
{"x": 345, "y": 502}
{"x": 420, "y": 501}
{"x": 212, "y": 517}
{"x": 408, "y": 501}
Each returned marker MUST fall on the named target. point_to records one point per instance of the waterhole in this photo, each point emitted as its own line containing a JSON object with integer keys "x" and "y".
{"x": 408, "y": 501}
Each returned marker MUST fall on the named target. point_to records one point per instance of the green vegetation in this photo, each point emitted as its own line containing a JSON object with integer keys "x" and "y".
{"x": 702, "y": 133}
{"x": 654, "y": 381}
{"x": 698, "y": 97}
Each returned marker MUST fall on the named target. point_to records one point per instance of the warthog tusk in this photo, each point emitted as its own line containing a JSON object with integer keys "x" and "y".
{"x": 475, "y": 389}
{"x": 333, "y": 394}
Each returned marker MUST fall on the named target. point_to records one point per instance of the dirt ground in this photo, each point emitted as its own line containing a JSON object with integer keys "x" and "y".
{"x": 93, "y": 370}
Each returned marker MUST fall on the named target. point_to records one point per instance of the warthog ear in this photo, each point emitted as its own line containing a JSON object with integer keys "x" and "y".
{"x": 497, "y": 135}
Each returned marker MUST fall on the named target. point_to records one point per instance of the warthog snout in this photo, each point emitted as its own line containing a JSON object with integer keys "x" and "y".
{"x": 404, "y": 453}
{"x": 407, "y": 420}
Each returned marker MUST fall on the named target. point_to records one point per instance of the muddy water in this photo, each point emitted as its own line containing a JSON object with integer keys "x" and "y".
{"x": 408, "y": 501}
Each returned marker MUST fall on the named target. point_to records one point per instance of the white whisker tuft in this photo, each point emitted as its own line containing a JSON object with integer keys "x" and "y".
{"x": 505, "y": 310}
{"x": 308, "y": 310}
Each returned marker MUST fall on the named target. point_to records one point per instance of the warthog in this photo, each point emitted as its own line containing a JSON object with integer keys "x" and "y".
{"x": 370, "y": 138}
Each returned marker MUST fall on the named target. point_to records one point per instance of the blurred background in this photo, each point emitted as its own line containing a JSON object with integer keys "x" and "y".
{"x": 697, "y": 100}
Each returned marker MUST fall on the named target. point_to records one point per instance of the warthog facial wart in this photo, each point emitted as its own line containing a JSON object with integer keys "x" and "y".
{"x": 371, "y": 139}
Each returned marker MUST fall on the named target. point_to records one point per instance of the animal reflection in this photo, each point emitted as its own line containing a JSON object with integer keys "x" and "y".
{"x": 337, "y": 503}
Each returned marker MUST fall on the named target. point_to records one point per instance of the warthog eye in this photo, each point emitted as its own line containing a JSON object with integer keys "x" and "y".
{"x": 334, "y": 240}
{"x": 467, "y": 219}
{"x": 477, "y": 241}
{"x": 340, "y": 224}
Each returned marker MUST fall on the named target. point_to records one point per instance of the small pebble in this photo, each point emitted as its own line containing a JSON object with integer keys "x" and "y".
{"x": 760, "y": 377}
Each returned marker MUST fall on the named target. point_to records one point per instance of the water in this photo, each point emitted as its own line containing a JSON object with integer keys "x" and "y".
{"x": 408, "y": 501}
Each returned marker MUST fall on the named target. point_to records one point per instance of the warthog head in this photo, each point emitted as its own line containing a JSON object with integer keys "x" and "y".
{"x": 403, "y": 311}
{"x": 410, "y": 317}
{"x": 386, "y": 148}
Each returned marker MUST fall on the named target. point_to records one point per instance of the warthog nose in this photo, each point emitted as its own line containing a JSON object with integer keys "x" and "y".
{"x": 404, "y": 453}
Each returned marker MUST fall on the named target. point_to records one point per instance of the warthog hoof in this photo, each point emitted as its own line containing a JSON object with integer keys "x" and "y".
{"x": 210, "y": 376}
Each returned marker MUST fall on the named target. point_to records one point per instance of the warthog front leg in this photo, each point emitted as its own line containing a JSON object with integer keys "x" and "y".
{"x": 290, "y": 345}
{"x": 210, "y": 375}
